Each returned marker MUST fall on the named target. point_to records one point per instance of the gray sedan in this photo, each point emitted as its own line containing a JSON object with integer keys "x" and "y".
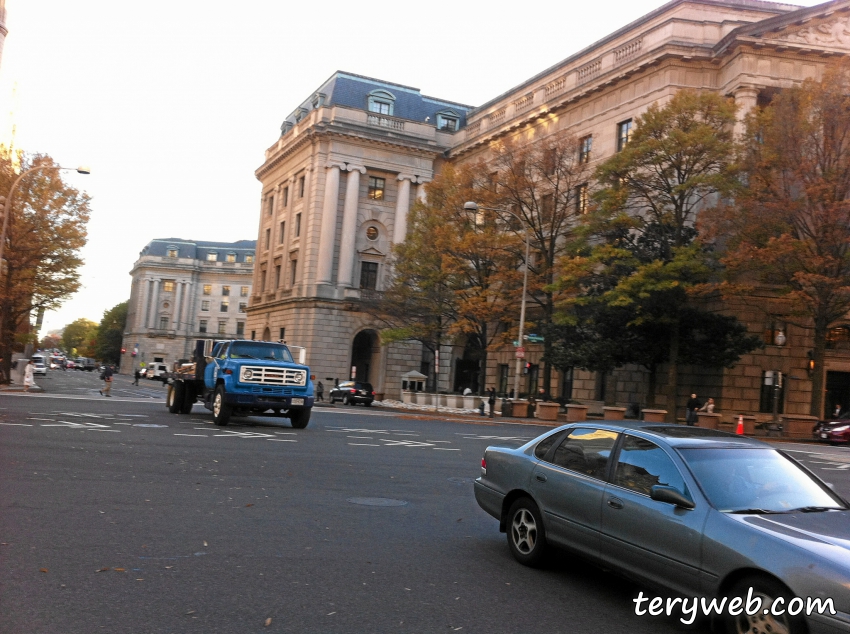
{"x": 698, "y": 512}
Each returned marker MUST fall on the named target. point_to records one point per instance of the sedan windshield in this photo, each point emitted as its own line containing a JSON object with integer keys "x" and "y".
{"x": 260, "y": 350}
{"x": 756, "y": 481}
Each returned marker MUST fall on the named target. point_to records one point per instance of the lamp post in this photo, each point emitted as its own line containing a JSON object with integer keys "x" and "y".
{"x": 473, "y": 206}
{"x": 8, "y": 204}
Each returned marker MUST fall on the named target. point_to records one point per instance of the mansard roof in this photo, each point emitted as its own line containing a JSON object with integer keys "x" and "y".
{"x": 353, "y": 91}
{"x": 197, "y": 249}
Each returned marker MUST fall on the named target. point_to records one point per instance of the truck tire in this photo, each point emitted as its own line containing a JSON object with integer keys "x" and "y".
{"x": 221, "y": 411}
{"x": 188, "y": 399}
{"x": 299, "y": 418}
{"x": 174, "y": 397}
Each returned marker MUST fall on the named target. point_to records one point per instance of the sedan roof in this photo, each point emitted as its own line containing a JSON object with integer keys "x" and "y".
{"x": 680, "y": 436}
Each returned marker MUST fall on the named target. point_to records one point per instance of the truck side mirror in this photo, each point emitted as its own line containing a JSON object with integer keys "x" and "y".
{"x": 208, "y": 348}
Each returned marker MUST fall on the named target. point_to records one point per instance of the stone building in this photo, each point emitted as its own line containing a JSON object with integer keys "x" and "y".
{"x": 184, "y": 290}
{"x": 338, "y": 182}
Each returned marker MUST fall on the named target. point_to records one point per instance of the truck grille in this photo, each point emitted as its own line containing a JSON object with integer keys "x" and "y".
{"x": 262, "y": 375}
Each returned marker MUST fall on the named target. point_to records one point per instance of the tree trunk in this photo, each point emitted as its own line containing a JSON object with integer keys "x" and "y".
{"x": 673, "y": 372}
{"x": 652, "y": 386}
{"x": 482, "y": 368}
{"x": 819, "y": 375}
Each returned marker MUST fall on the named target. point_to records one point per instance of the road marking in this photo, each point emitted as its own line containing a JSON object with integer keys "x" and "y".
{"x": 444, "y": 449}
{"x": 193, "y": 435}
{"x": 468, "y": 436}
{"x": 359, "y": 430}
{"x": 361, "y": 437}
{"x": 243, "y": 434}
{"x": 117, "y": 431}
{"x": 362, "y": 444}
{"x": 16, "y": 424}
{"x": 282, "y": 439}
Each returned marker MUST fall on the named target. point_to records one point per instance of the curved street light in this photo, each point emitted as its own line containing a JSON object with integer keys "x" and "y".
{"x": 8, "y": 205}
{"x": 473, "y": 206}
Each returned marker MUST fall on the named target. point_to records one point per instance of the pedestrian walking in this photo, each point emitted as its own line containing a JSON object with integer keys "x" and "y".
{"x": 491, "y": 400}
{"x": 136, "y": 376}
{"x": 691, "y": 409}
{"x": 29, "y": 377}
{"x": 106, "y": 375}
{"x": 320, "y": 392}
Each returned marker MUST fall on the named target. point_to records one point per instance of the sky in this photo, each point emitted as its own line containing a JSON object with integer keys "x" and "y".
{"x": 172, "y": 103}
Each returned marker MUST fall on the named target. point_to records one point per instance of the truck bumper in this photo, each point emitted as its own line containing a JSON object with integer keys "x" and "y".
{"x": 268, "y": 402}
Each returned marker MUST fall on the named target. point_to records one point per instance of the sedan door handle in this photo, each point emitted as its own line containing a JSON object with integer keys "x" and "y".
{"x": 541, "y": 478}
{"x": 615, "y": 503}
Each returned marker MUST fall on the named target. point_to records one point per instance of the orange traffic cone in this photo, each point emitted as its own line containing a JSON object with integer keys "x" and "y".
{"x": 740, "y": 430}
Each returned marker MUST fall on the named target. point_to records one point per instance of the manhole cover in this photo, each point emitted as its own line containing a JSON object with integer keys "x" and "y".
{"x": 377, "y": 502}
{"x": 147, "y": 425}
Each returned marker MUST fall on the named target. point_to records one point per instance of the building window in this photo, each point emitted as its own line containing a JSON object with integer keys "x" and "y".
{"x": 225, "y": 291}
{"x": 767, "y": 393}
{"x": 293, "y": 268}
{"x": 207, "y": 289}
{"x": 447, "y": 123}
{"x": 202, "y": 326}
{"x": 502, "y": 387}
{"x": 172, "y": 253}
{"x": 205, "y": 305}
{"x": 240, "y": 328}
{"x": 231, "y": 257}
{"x": 282, "y": 233}
{"x": 168, "y": 286}
{"x": 282, "y": 334}
{"x": 838, "y": 338}
{"x": 243, "y": 306}
{"x": 222, "y": 327}
{"x": 243, "y": 291}
{"x": 253, "y": 335}
{"x": 376, "y": 188}
{"x": 249, "y": 259}
{"x": 369, "y": 275}
{"x": 225, "y": 304}
{"x": 163, "y": 323}
{"x": 285, "y": 196}
{"x": 297, "y": 225}
{"x": 624, "y": 133}
{"x": 212, "y": 256}
{"x": 547, "y": 207}
{"x": 301, "y": 187}
{"x": 775, "y": 332}
{"x": 381, "y": 102}
{"x": 277, "y": 276}
{"x": 270, "y": 205}
{"x": 585, "y": 145}
{"x": 268, "y": 237}
{"x": 581, "y": 199}
{"x": 263, "y": 280}
{"x": 565, "y": 393}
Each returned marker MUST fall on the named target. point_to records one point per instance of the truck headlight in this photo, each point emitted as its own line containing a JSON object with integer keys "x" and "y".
{"x": 247, "y": 373}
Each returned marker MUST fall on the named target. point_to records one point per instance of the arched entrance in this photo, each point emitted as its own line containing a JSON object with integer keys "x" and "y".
{"x": 365, "y": 356}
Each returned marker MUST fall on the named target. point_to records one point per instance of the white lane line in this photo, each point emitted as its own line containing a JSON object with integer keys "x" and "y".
{"x": 281, "y": 439}
{"x": 193, "y": 435}
{"x": 286, "y": 433}
{"x": 362, "y": 444}
{"x": 444, "y": 449}
{"x": 16, "y": 424}
{"x": 361, "y": 437}
{"x": 47, "y": 419}
{"x": 445, "y": 442}
{"x": 117, "y": 431}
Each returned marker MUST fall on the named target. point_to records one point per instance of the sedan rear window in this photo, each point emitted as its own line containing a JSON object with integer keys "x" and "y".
{"x": 756, "y": 480}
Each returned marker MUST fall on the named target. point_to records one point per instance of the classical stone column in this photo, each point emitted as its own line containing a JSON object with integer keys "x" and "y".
{"x": 746, "y": 99}
{"x": 402, "y": 207}
{"x": 421, "y": 195}
{"x": 349, "y": 225}
{"x": 154, "y": 302}
{"x": 143, "y": 309}
{"x": 178, "y": 304}
{"x": 327, "y": 235}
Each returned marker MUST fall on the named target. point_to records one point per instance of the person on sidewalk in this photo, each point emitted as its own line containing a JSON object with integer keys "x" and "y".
{"x": 492, "y": 400}
{"x": 320, "y": 391}
{"x": 107, "y": 381}
{"x": 29, "y": 377}
{"x": 136, "y": 376}
{"x": 708, "y": 408}
{"x": 691, "y": 408}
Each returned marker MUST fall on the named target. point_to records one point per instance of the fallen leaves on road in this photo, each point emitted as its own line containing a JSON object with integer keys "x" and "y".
{"x": 119, "y": 570}
{"x": 249, "y": 505}
{"x": 42, "y": 569}
{"x": 268, "y": 622}
{"x": 102, "y": 570}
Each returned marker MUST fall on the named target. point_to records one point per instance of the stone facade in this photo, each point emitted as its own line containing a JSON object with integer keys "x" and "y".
{"x": 184, "y": 290}
{"x": 324, "y": 236}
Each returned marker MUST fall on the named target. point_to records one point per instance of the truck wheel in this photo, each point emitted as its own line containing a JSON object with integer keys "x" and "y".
{"x": 299, "y": 418}
{"x": 221, "y": 411}
{"x": 188, "y": 399}
{"x": 174, "y": 397}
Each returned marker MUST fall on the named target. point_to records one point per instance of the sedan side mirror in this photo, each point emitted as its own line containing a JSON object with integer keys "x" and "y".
{"x": 670, "y": 495}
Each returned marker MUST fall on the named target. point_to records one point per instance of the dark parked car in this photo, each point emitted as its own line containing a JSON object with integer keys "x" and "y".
{"x": 697, "y": 511}
{"x": 352, "y": 392}
{"x": 834, "y": 430}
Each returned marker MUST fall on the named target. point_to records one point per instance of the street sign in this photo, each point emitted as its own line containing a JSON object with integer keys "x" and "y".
{"x": 534, "y": 338}
{"x": 516, "y": 343}
{"x": 520, "y": 353}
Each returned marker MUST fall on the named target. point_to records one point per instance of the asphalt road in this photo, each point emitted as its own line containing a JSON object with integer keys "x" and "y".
{"x": 117, "y": 516}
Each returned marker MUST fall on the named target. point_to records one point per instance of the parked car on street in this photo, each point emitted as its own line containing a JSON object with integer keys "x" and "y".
{"x": 40, "y": 363}
{"x": 352, "y": 392}
{"x": 833, "y": 430}
{"x": 70, "y": 364}
{"x": 697, "y": 511}
{"x": 156, "y": 371}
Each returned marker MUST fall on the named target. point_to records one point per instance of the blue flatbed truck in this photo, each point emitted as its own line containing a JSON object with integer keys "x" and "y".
{"x": 242, "y": 378}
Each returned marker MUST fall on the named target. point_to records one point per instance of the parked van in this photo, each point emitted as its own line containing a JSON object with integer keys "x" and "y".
{"x": 156, "y": 371}
{"x": 40, "y": 362}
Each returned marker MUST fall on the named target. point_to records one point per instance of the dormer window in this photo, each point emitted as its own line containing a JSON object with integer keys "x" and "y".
{"x": 212, "y": 256}
{"x": 381, "y": 102}
{"x": 231, "y": 257}
{"x": 447, "y": 121}
{"x": 172, "y": 251}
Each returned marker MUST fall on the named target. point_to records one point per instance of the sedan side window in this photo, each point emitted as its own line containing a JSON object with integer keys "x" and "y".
{"x": 586, "y": 451}
{"x": 643, "y": 464}
{"x": 545, "y": 445}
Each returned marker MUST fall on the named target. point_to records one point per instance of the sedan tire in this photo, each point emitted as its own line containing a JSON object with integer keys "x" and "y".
{"x": 345, "y": 400}
{"x": 768, "y": 590}
{"x": 526, "y": 535}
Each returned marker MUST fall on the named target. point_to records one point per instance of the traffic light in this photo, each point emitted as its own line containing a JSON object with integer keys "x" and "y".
{"x": 527, "y": 368}
{"x": 123, "y": 350}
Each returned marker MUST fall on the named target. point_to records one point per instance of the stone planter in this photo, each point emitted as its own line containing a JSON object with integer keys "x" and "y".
{"x": 654, "y": 415}
{"x": 548, "y": 411}
{"x": 613, "y": 413}
{"x": 520, "y": 409}
{"x": 379, "y": 396}
{"x": 422, "y": 398}
{"x": 455, "y": 401}
{"x": 708, "y": 421}
{"x": 576, "y": 413}
{"x": 470, "y": 402}
{"x": 798, "y": 425}
{"x": 408, "y": 397}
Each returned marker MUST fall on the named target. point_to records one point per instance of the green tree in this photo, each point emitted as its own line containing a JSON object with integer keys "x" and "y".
{"x": 110, "y": 333}
{"x": 645, "y": 262}
{"x": 46, "y": 229}
{"x": 80, "y": 337}
{"x": 789, "y": 229}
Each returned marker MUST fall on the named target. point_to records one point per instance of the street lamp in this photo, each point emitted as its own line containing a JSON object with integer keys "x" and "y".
{"x": 8, "y": 205}
{"x": 473, "y": 206}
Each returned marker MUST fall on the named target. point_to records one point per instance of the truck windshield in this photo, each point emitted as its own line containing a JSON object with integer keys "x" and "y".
{"x": 260, "y": 350}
